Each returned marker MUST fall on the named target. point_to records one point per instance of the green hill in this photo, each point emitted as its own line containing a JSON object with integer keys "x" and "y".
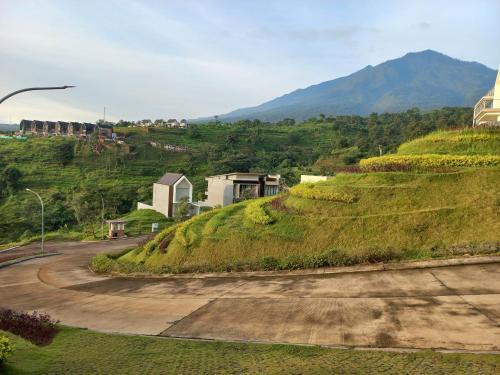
{"x": 349, "y": 219}
{"x": 73, "y": 179}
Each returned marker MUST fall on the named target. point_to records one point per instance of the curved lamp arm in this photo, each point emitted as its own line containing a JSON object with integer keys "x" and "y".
{"x": 34, "y": 89}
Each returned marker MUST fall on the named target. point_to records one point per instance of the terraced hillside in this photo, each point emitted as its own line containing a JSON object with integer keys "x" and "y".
{"x": 423, "y": 211}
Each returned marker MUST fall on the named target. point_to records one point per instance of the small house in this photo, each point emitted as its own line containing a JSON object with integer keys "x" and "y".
{"x": 62, "y": 128}
{"x": 170, "y": 191}
{"x": 116, "y": 228}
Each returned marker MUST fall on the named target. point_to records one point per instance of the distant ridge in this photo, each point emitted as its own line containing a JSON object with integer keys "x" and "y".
{"x": 8, "y": 127}
{"x": 426, "y": 79}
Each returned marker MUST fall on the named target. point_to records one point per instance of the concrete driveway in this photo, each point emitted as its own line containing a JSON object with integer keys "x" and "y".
{"x": 456, "y": 307}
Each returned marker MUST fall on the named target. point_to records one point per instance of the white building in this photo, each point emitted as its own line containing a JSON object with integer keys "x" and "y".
{"x": 168, "y": 193}
{"x": 487, "y": 109}
{"x": 232, "y": 187}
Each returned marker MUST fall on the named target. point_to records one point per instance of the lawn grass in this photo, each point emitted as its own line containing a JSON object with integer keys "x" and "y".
{"x": 78, "y": 351}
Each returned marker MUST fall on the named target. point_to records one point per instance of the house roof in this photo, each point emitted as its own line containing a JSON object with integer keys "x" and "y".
{"x": 169, "y": 178}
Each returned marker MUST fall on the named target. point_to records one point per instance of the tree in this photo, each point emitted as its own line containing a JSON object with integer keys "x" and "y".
{"x": 11, "y": 179}
{"x": 181, "y": 210}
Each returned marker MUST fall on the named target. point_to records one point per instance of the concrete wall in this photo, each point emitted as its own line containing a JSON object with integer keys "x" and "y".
{"x": 220, "y": 192}
{"x": 161, "y": 198}
{"x": 144, "y": 206}
{"x": 311, "y": 178}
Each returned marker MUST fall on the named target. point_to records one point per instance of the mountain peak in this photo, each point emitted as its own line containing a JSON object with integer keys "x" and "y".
{"x": 426, "y": 79}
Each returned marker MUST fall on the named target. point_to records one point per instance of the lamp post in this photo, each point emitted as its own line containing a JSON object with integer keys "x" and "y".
{"x": 41, "y": 202}
{"x": 34, "y": 89}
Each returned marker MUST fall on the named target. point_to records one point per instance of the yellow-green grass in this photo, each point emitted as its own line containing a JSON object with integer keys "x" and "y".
{"x": 78, "y": 351}
{"x": 428, "y": 162}
{"x": 457, "y": 142}
{"x": 394, "y": 216}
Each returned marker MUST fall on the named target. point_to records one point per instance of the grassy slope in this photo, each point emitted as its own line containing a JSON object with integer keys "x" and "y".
{"x": 394, "y": 216}
{"x": 78, "y": 351}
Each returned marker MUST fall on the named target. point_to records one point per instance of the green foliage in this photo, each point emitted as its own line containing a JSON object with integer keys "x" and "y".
{"x": 255, "y": 211}
{"x": 181, "y": 210}
{"x": 6, "y": 348}
{"x": 73, "y": 177}
{"x": 101, "y": 263}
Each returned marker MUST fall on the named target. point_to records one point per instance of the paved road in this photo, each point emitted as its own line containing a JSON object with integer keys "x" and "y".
{"x": 443, "y": 307}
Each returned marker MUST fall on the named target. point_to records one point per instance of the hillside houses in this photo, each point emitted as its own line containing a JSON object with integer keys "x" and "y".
{"x": 160, "y": 123}
{"x": 62, "y": 128}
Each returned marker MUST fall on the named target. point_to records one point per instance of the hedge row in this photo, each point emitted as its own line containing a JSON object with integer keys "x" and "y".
{"x": 256, "y": 212}
{"x": 429, "y": 161}
{"x": 312, "y": 191}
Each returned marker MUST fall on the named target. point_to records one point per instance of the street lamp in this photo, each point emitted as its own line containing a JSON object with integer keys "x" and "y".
{"x": 41, "y": 202}
{"x": 35, "y": 89}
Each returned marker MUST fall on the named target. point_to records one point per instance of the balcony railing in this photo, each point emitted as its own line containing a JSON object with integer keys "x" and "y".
{"x": 482, "y": 105}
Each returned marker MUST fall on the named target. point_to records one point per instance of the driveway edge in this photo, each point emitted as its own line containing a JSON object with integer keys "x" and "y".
{"x": 23, "y": 259}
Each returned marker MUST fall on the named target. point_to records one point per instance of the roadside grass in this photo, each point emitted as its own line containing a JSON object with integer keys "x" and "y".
{"x": 79, "y": 351}
{"x": 395, "y": 216}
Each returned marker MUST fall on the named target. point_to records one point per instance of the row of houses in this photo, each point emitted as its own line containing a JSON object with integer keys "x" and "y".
{"x": 62, "y": 128}
{"x": 160, "y": 123}
{"x": 225, "y": 189}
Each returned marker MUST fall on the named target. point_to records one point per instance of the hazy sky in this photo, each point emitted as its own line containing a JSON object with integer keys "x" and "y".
{"x": 185, "y": 59}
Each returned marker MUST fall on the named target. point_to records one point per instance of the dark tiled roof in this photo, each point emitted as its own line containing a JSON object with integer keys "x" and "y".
{"x": 51, "y": 123}
{"x": 62, "y": 122}
{"x": 169, "y": 178}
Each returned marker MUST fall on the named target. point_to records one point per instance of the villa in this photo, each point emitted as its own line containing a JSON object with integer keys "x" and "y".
{"x": 487, "y": 109}
{"x": 168, "y": 193}
{"x": 233, "y": 187}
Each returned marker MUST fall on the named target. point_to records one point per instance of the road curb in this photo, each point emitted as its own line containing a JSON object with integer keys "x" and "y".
{"x": 10, "y": 248}
{"x": 327, "y": 270}
{"x": 23, "y": 259}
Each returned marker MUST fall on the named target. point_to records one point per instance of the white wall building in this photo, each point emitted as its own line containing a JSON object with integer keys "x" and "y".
{"x": 168, "y": 193}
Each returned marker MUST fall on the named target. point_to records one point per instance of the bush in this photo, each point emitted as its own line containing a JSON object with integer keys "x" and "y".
{"x": 269, "y": 263}
{"x": 318, "y": 192}
{"x": 428, "y": 161}
{"x": 39, "y": 329}
{"x": 6, "y": 348}
{"x": 101, "y": 263}
{"x": 255, "y": 211}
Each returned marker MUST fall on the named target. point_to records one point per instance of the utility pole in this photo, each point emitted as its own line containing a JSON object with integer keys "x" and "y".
{"x": 102, "y": 218}
{"x": 34, "y": 89}
{"x": 104, "y": 118}
{"x": 41, "y": 202}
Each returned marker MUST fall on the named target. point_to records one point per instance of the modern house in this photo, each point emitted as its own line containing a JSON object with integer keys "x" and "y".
{"x": 49, "y": 128}
{"x": 77, "y": 129}
{"x": 169, "y": 192}
{"x": 62, "y": 128}
{"x": 229, "y": 188}
{"x": 487, "y": 109}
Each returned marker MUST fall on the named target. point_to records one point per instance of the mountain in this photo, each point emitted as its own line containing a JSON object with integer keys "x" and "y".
{"x": 8, "y": 127}
{"x": 426, "y": 79}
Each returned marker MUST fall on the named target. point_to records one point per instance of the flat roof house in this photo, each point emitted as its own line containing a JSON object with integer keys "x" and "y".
{"x": 168, "y": 193}
{"x": 229, "y": 188}
{"x": 487, "y": 109}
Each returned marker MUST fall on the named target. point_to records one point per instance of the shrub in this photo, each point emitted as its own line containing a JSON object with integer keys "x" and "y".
{"x": 255, "y": 211}
{"x": 38, "y": 328}
{"x": 101, "y": 263}
{"x": 6, "y": 348}
{"x": 429, "y": 161}
{"x": 318, "y": 192}
{"x": 269, "y": 263}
